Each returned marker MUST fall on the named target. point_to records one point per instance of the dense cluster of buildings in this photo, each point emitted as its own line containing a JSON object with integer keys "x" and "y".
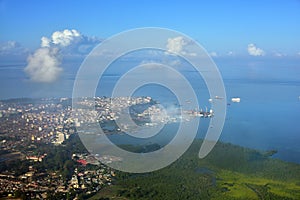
{"x": 101, "y": 109}
{"x": 38, "y": 185}
{"x": 27, "y": 124}
{"x": 43, "y": 121}
{"x": 53, "y": 121}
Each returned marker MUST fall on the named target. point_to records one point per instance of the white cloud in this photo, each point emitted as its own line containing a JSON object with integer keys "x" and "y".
{"x": 278, "y": 54}
{"x": 44, "y": 65}
{"x": 160, "y": 62}
{"x": 12, "y": 48}
{"x": 61, "y": 38}
{"x": 70, "y": 42}
{"x": 65, "y": 38}
{"x": 177, "y": 45}
{"x": 213, "y": 54}
{"x": 45, "y": 42}
{"x": 151, "y": 64}
{"x": 8, "y": 45}
{"x": 255, "y": 51}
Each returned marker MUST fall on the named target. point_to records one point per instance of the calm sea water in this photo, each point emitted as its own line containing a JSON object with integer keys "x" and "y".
{"x": 267, "y": 118}
{"x": 269, "y": 112}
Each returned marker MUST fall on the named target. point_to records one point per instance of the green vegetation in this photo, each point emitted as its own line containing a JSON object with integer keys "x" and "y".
{"x": 228, "y": 172}
{"x": 59, "y": 158}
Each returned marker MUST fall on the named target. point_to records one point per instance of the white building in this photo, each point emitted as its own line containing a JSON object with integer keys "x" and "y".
{"x": 60, "y": 138}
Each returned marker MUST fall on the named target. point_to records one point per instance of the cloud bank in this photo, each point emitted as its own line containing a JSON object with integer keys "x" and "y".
{"x": 44, "y": 65}
{"x": 12, "y": 48}
{"x": 255, "y": 51}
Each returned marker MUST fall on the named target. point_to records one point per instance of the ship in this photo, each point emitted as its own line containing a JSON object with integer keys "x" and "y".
{"x": 236, "y": 99}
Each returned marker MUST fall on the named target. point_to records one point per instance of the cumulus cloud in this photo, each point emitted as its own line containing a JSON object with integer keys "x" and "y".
{"x": 65, "y": 38}
{"x": 255, "y": 51}
{"x": 45, "y": 42}
{"x": 45, "y": 63}
{"x": 177, "y": 45}
{"x": 62, "y": 38}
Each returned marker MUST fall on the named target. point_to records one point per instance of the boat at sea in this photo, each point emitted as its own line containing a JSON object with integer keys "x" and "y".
{"x": 236, "y": 99}
{"x": 218, "y": 97}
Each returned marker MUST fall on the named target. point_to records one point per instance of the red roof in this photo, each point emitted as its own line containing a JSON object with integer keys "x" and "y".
{"x": 81, "y": 161}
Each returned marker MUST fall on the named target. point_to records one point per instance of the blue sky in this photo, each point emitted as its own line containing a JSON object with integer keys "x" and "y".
{"x": 219, "y": 26}
{"x": 246, "y": 33}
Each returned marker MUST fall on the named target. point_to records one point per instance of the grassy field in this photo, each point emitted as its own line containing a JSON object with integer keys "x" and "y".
{"x": 238, "y": 185}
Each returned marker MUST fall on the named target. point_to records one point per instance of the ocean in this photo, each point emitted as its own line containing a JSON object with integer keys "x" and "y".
{"x": 267, "y": 118}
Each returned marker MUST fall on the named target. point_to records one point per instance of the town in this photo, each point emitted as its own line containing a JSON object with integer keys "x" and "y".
{"x": 41, "y": 154}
